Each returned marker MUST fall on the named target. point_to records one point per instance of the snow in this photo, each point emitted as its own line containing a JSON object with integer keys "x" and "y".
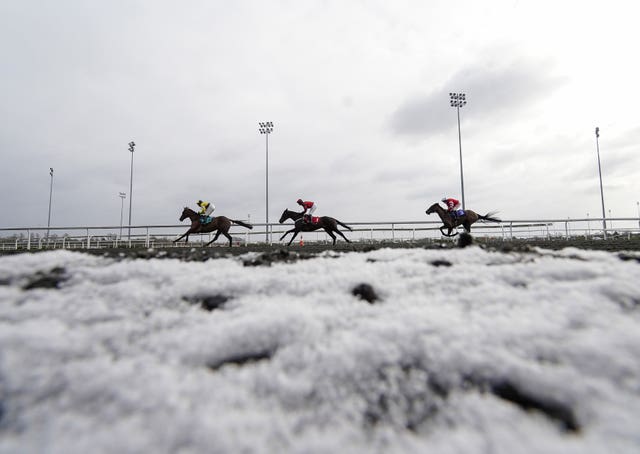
{"x": 497, "y": 353}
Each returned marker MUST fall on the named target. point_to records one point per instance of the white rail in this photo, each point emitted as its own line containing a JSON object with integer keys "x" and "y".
{"x": 89, "y": 237}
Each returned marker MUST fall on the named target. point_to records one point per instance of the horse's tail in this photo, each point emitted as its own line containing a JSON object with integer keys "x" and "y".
{"x": 344, "y": 225}
{"x": 490, "y": 217}
{"x": 243, "y": 224}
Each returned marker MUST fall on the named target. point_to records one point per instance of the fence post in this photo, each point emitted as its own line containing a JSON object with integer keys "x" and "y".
{"x": 88, "y": 240}
{"x": 29, "y": 240}
{"x": 393, "y": 233}
{"x": 566, "y": 229}
{"x": 147, "y": 237}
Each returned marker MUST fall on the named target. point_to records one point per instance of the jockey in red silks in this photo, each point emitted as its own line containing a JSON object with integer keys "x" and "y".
{"x": 452, "y": 206}
{"x": 308, "y": 206}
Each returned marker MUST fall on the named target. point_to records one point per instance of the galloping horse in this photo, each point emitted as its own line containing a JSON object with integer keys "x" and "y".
{"x": 219, "y": 223}
{"x": 469, "y": 217}
{"x": 329, "y": 225}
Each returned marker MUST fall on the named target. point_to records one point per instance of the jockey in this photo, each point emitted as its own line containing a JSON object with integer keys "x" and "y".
{"x": 206, "y": 209}
{"x": 452, "y": 206}
{"x": 310, "y": 206}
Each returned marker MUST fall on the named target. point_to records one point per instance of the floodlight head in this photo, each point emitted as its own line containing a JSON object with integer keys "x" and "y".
{"x": 266, "y": 127}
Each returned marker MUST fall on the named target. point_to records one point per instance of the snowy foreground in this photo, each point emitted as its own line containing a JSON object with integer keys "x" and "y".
{"x": 465, "y": 351}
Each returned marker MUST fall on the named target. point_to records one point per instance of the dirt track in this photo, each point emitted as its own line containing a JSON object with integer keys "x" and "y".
{"x": 265, "y": 253}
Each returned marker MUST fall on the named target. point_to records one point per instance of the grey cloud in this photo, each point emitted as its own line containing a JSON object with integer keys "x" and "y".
{"x": 490, "y": 90}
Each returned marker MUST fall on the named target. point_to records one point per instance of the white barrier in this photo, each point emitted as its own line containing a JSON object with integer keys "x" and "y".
{"x": 83, "y": 237}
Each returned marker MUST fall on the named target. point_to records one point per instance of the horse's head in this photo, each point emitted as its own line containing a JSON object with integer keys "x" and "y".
{"x": 433, "y": 208}
{"x": 285, "y": 216}
{"x": 185, "y": 213}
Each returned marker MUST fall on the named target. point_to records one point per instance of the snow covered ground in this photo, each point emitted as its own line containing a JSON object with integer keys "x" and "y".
{"x": 464, "y": 351}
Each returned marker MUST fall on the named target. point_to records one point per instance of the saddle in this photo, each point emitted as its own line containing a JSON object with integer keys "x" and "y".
{"x": 457, "y": 213}
{"x": 205, "y": 219}
{"x": 311, "y": 219}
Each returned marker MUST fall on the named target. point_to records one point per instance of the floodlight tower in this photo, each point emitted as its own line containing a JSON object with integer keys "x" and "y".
{"x": 604, "y": 222}
{"x": 50, "y": 196}
{"x": 458, "y": 100}
{"x": 122, "y": 195}
{"x": 132, "y": 146}
{"x": 266, "y": 128}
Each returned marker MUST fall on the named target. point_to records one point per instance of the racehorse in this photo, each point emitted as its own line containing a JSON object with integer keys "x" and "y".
{"x": 469, "y": 217}
{"x": 329, "y": 225}
{"x": 219, "y": 223}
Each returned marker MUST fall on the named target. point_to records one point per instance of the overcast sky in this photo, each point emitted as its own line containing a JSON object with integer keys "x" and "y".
{"x": 358, "y": 92}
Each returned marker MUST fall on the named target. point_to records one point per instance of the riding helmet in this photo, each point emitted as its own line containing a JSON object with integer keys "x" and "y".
{"x": 299, "y": 201}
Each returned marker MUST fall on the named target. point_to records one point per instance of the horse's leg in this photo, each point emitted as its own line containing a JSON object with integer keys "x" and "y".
{"x": 342, "y": 235}
{"x": 286, "y": 233}
{"x": 449, "y": 233}
{"x": 182, "y": 236}
{"x": 214, "y": 238}
{"x": 229, "y": 237}
{"x": 295, "y": 234}
{"x": 330, "y": 233}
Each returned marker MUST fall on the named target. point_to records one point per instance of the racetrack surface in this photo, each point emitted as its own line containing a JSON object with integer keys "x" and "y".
{"x": 196, "y": 252}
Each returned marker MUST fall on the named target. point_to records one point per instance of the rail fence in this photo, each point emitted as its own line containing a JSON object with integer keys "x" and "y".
{"x": 162, "y": 236}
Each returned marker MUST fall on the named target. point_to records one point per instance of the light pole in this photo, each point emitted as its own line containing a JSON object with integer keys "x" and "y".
{"x": 122, "y": 195}
{"x": 266, "y": 128}
{"x": 132, "y": 145}
{"x": 50, "y": 197}
{"x": 458, "y": 100}
{"x": 604, "y": 222}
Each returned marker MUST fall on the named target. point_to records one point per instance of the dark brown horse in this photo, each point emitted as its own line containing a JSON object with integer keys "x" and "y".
{"x": 219, "y": 223}
{"x": 329, "y": 225}
{"x": 469, "y": 217}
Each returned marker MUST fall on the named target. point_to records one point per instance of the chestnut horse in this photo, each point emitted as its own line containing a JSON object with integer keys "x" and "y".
{"x": 219, "y": 223}
{"x": 329, "y": 225}
{"x": 469, "y": 217}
